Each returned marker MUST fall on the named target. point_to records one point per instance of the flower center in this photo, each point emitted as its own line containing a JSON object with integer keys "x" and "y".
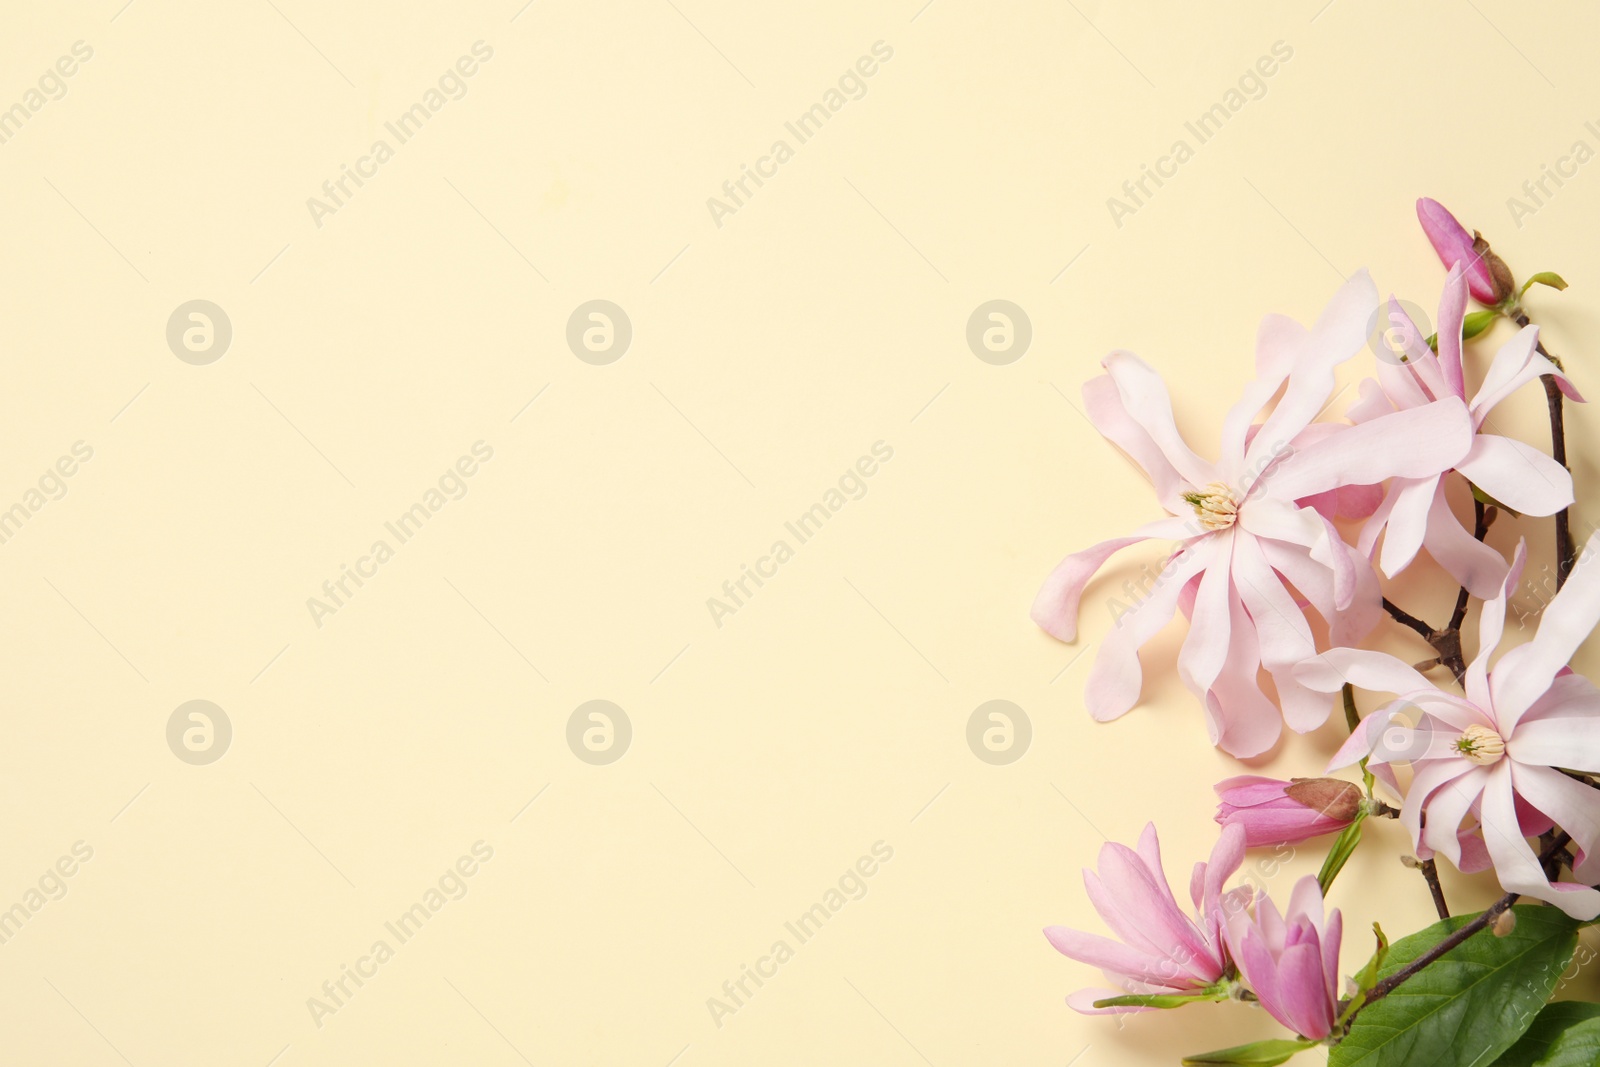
{"x": 1216, "y": 505}
{"x": 1480, "y": 745}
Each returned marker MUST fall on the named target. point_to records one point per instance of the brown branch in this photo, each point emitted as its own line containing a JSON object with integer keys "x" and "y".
{"x": 1404, "y": 617}
{"x": 1566, "y": 551}
{"x": 1446, "y": 642}
{"x": 1431, "y": 873}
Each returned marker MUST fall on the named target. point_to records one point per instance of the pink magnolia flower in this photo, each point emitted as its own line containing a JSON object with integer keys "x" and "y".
{"x": 1291, "y": 961}
{"x": 1162, "y": 950}
{"x": 1493, "y": 754}
{"x": 1274, "y": 812}
{"x": 1455, "y": 245}
{"x": 1245, "y": 535}
{"x": 1414, "y": 513}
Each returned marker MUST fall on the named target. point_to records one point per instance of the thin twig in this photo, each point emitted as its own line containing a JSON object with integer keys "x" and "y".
{"x": 1431, "y": 873}
{"x": 1566, "y": 551}
{"x": 1404, "y": 617}
{"x": 1490, "y": 914}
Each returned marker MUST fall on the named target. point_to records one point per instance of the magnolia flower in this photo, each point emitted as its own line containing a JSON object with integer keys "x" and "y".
{"x": 1245, "y": 533}
{"x": 1291, "y": 961}
{"x": 1280, "y": 813}
{"x": 1414, "y": 513}
{"x": 1494, "y": 754}
{"x": 1162, "y": 950}
{"x": 1455, "y": 245}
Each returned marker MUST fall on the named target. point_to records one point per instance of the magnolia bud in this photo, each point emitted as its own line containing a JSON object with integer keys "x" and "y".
{"x": 1499, "y": 273}
{"x": 1274, "y": 812}
{"x": 1449, "y": 239}
{"x": 1336, "y": 799}
{"x": 1505, "y": 922}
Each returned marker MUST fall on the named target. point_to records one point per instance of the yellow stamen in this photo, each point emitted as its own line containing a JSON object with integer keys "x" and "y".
{"x": 1216, "y": 505}
{"x": 1480, "y": 745}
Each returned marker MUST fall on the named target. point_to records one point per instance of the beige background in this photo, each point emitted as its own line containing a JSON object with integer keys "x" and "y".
{"x": 768, "y": 354}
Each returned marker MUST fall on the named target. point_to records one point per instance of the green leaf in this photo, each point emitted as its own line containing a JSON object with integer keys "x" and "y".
{"x": 1564, "y": 1034}
{"x": 1343, "y": 847}
{"x": 1163, "y": 1000}
{"x": 1255, "y": 1054}
{"x": 1367, "y": 978}
{"x": 1469, "y": 1005}
{"x": 1544, "y": 277}
{"x": 1476, "y": 322}
{"x": 1369, "y": 974}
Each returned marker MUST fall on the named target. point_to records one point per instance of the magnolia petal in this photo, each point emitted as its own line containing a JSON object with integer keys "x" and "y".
{"x": 1332, "y": 936}
{"x": 1566, "y": 622}
{"x": 1491, "y": 627}
{"x": 1402, "y": 385}
{"x": 1227, "y": 856}
{"x": 1465, "y": 558}
{"x": 1361, "y": 615}
{"x": 1367, "y": 540}
{"x": 1418, "y": 443}
{"x": 1378, "y": 672}
{"x": 1144, "y": 397}
{"x": 1562, "y": 729}
{"x": 1570, "y": 804}
{"x": 1128, "y": 926}
{"x": 1514, "y": 862}
{"x": 1205, "y": 647}
{"x": 1280, "y": 520}
{"x": 1452, "y": 315}
{"x": 1446, "y": 810}
{"x": 1242, "y": 721}
{"x": 1518, "y": 475}
{"x": 1371, "y": 402}
{"x": 1429, "y": 777}
{"x": 1117, "y": 677}
{"x": 1108, "y": 955}
{"x": 1143, "y": 896}
{"x": 1331, "y": 551}
{"x": 1362, "y": 740}
{"x": 1303, "y": 994}
{"x": 1103, "y": 404}
{"x": 1516, "y": 364}
{"x": 1339, "y": 333}
{"x": 1420, "y": 361}
{"x": 1278, "y": 343}
{"x": 1055, "y": 607}
{"x": 1408, "y": 523}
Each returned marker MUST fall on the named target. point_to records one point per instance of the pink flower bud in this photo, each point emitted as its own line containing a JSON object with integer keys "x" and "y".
{"x": 1291, "y": 959}
{"x": 1273, "y": 812}
{"x": 1455, "y": 245}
